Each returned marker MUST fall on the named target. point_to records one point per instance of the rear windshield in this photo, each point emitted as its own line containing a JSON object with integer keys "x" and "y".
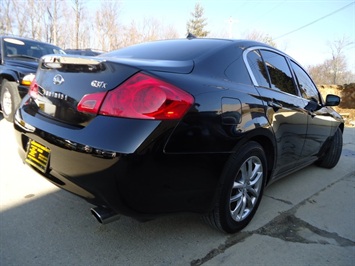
{"x": 177, "y": 50}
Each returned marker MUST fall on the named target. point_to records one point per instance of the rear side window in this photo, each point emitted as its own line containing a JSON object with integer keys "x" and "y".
{"x": 257, "y": 66}
{"x": 280, "y": 73}
{"x": 305, "y": 84}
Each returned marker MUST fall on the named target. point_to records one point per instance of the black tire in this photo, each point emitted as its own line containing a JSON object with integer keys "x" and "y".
{"x": 10, "y": 99}
{"x": 332, "y": 155}
{"x": 241, "y": 189}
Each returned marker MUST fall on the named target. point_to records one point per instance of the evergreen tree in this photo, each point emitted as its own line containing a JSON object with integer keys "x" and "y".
{"x": 197, "y": 23}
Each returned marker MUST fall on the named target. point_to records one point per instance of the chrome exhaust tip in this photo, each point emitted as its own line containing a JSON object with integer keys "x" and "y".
{"x": 104, "y": 215}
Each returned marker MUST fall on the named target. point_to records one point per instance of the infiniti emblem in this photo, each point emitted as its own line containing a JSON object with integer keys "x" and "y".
{"x": 58, "y": 79}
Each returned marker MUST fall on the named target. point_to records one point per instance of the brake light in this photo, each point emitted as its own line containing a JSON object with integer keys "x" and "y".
{"x": 91, "y": 103}
{"x": 34, "y": 89}
{"x": 145, "y": 97}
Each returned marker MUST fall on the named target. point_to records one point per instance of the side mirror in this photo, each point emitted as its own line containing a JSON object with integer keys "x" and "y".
{"x": 332, "y": 100}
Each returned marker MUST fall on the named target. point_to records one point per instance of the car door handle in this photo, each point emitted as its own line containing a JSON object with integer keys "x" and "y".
{"x": 311, "y": 114}
{"x": 275, "y": 105}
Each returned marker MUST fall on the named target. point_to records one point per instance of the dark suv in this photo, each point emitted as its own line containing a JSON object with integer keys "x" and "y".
{"x": 85, "y": 52}
{"x": 18, "y": 62}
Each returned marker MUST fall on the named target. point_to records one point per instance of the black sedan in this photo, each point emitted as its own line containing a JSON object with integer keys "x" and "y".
{"x": 186, "y": 125}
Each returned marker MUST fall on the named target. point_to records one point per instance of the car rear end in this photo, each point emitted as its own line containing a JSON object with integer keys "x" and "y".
{"x": 137, "y": 130}
{"x": 85, "y": 120}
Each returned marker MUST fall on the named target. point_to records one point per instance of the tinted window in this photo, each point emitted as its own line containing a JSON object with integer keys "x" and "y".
{"x": 179, "y": 50}
{"x": 237, "y": 72}
{"x": 305, "y": 84}
{"x": 280, "y": 73}
{"x": 16, "y": 47}
{"x": 257, "y": 66}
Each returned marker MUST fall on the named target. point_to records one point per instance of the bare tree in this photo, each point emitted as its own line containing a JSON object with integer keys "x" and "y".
{"x": 153, "y": 29}
{"x": 323, "y": 73}
{"x": 338, "y": 63}
{"x": 335, "y": 69}
{"x": 131, "y": 34}
{"x": 149, "y": 30}
{"x": 78, "y": 11}
{"x": 5, "y": 18}
{"x": 68, "y": 24}
{"x": 18, "y": 13}
{"x": 107, "y": 26}
{"x": 319, "y": 73}
{"x": 170, "y": 33}
{"x": 53, "y": 19}
{"x": 35, "y": 18}
{"x": 259, "y": 36}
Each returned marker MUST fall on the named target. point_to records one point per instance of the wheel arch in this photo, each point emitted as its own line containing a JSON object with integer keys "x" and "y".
{"x": 8, "y": 76}
{"x": 266, "y": 139}
{"x": 270, "y": 152}
{"x": 217, "y": 217}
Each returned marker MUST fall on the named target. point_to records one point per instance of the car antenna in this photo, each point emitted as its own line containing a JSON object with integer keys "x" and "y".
{"x": 190, "y": 36}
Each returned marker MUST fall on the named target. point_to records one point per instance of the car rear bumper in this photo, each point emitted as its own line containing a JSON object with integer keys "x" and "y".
{"x": 123, "y": 167}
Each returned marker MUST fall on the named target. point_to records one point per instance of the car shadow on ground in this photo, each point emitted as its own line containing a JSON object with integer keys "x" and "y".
{"x": 58, "y": 227}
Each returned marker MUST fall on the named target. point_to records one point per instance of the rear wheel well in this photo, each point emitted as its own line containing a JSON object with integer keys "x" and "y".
{"x": 269, "y": 150}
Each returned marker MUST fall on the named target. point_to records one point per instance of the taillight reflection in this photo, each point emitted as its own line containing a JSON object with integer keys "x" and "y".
{"x": 91, "y": 103}
{"x": 34, "y": 89}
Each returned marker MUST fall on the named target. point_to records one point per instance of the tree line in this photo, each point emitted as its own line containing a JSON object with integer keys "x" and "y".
{"x": 334, "y": 70}
{"x": 72, "y": 24}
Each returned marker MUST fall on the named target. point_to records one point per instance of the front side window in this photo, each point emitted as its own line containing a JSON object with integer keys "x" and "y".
{"x": 279, "y": 72}
{"x": 305, "y": 84}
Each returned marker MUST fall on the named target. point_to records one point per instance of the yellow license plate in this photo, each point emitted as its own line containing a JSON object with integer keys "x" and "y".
{"x": 37, "y": 155}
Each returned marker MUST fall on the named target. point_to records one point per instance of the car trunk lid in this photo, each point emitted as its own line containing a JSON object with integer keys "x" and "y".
{"x": 62, "y": 81}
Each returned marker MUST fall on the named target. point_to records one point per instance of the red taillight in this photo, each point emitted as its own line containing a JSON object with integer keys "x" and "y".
{"x": 91, "y": 103}
{"x": 33, "y": 89}
{"x": 145, "y": 97}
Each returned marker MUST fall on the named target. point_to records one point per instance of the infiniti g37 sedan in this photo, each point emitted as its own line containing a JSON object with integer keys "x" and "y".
{"x": 186, "y": 125}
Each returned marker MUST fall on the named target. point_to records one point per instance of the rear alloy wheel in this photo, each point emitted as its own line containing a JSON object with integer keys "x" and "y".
{"x": 10, "y": 99}
{"x": 332, "y": 155}
{"x": 241, "y": 189}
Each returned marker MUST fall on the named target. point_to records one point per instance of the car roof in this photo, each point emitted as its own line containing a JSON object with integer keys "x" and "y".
{"x": 179, "y": 49}
{"x": 22, "y": 39}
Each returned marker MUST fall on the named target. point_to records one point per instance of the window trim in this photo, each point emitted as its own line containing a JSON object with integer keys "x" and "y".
{"x": 320, "y": 97}
{"x": 288, "y": 61}
{"x": 250, "y": 71}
